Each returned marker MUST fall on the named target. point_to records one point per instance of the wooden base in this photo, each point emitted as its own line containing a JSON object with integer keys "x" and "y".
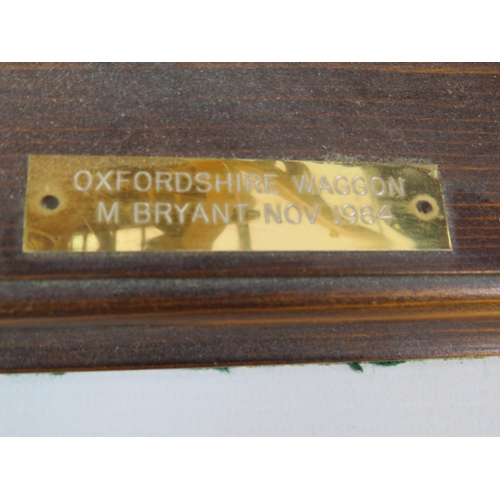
{"x": 99, "y": 324}
{"x": 63, "y": 312}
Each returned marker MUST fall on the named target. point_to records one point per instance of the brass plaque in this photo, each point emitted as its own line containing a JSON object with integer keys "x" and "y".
{"x": 135, "y": 204}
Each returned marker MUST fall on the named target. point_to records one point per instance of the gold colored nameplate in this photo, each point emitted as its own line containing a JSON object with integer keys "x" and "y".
{"x": 136, "y": 204}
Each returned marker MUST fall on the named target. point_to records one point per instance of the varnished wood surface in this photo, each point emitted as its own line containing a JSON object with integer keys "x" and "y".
{"x": 89, "y": 311}
{"x": 443, "y": 114}
{"x": 103, "y": 324}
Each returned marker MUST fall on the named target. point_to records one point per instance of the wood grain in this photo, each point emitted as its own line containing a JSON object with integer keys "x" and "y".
{"x": 443, "y": 114}
{"x": 96, "y": 311}
{"x": 97, "y": 324}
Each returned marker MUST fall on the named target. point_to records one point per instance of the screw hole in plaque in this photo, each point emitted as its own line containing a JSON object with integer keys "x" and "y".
{"x": 50, "y": 202}
{"x": 424, "y": 207}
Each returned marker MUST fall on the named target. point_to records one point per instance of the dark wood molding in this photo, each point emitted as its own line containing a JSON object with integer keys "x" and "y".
{"x": 97, "y": 324}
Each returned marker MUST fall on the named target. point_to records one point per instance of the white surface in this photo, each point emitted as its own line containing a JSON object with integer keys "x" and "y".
{"x": 433, "y": 397}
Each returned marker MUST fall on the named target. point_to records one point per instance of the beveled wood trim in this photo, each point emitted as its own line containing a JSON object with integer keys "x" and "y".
{"x": 111, "y": 324}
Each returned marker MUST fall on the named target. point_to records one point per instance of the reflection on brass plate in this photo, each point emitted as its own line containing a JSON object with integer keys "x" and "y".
{"x": 135, "y": 204}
